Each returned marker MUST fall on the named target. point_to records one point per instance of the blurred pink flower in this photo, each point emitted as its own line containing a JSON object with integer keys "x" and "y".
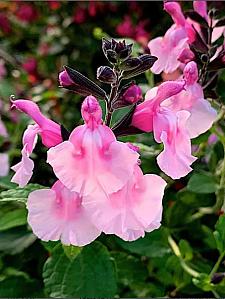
{"x": 80, "y": 15}
{"x": 126, "y": 27}
{"x": 30, "y": 65}
{"x": 4, "y": 162}
{"x": 5, "y": 25}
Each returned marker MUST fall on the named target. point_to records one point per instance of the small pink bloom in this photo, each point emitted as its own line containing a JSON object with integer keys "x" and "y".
{"x": 131, "y": 211}
{"x": 4, "y": 164}
{"x": 202, "y": 115}
{"x": 49, "y": 130}
{"x": 133, "y": 94}
{"x": 168, "y": 49}
{"x": 168, "y": 127}
{"x": 64, "y": 79}
{"x": 50, "y": 134}
{"x": 24, "y": 169}
{"x": 58, "y": 214}
{"x": 94, "y": 158}
{"x": 201, "y": 8}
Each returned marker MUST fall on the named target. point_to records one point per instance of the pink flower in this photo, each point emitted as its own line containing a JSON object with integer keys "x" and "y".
{"x": 24, "y": 169}
{"x": 133, "y": 94}
{"x": 168, "y": 127}
{"x": 30, "y": 65}
{"x": 49, "y": 130}
{"x": 4, "y": 23}
{"x": 80, "y": 15}
{"x": 169, "y": 49}
{"x": 201, "y": 8}
{"x": 50, "y": 133}
{"x": 131, "y": 211}
{"x": 4, "y": 162}
{"x": 58, "y": 214}
{"x": 202, "y": 115}
{"x": 95, "y": 160}
{"x": 126, "y": 27}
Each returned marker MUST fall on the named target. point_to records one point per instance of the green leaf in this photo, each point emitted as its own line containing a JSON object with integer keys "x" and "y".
{"x": 15, "y": 287}
{"x": 13, "y": 218}
{"x": 15, "y": 240}
{"x": 154, "y": 244}
{"x": 19, "y": 194}
{"x": 90, "y": 274}
{"x": 71, "y": 251}
{"x": 219, "y": 234}
{"x": 130, "y": 270}
{"x": 202, "y": 183}
{"x": 203, "y": 282}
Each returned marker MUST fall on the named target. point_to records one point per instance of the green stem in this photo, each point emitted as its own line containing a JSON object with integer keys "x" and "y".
{"x": 217, "y": 264}
{"x": 177, "y": 252}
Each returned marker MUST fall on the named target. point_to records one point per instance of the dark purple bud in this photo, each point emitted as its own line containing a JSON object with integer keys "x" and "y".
{"x": 130, "y": 63}
{"x": 106, "y": 74}
{"x": 81, "y": 84}
{"x": 147, "y": 62}
{"x": 217, "y": 278}
{"x": 115, "y": 51}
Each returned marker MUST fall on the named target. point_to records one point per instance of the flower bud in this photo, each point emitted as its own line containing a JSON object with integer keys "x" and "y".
{"x": 64, "y": 79}
{"x": 191, "y": 73}
{"x": 115, "y": 51}
{"x": 106, "y": 74}
{"x": 130, "y": 63}
{"x": 91, "y": 111}
{"x": 133, "y": 94}
{"x": 217, "y": 278}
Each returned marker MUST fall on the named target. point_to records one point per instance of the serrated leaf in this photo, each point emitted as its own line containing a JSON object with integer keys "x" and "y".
{"x": 90, "y": 274}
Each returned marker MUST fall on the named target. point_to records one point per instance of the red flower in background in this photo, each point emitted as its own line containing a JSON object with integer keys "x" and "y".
{"x": 27, "y": 13}
{"x": 4, "y": 23}
{"x": 54, "y": 5}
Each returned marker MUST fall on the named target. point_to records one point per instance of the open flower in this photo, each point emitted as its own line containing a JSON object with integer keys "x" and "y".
{"x": 50, "y": 133}
{"x": 94, "y": 158}
{"x": 191, "y": 99}
{"x": 58, "y": 214}
{"x": 175, "y": 44}
{"x": 168, "y": 127}
{"x": 4, "y": 162}
{"x": 131, "y": 211}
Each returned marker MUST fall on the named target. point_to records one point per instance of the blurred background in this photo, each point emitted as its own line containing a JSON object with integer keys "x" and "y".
{"x": 37, "y": 39}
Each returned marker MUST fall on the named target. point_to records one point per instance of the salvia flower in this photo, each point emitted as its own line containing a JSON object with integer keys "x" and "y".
{"x": 133, "y": 94}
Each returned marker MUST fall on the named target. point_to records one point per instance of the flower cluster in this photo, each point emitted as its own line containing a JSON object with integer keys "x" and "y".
{"x": 100, "y": 186}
